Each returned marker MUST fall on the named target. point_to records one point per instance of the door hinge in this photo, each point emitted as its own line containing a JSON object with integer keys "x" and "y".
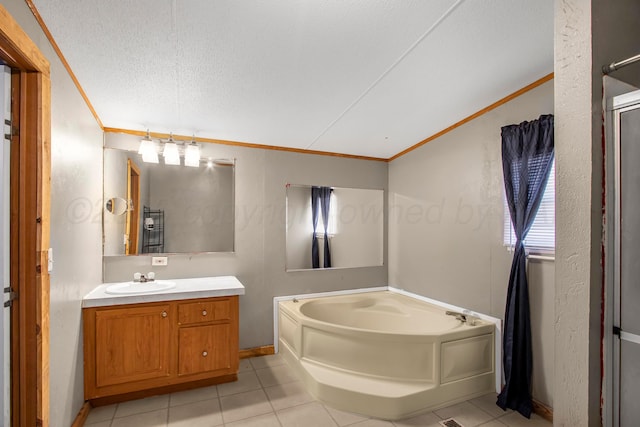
{"x": 616, "y": 330}
{"x": 12, "y": 296}
{"x": 13, "y": 130}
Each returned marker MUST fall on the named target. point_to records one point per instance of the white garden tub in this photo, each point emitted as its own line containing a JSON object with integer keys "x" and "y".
{"x": 385, "y": 355}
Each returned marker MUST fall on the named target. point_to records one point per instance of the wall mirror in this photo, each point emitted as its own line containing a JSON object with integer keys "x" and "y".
{"x": 155, "y": 208}
{"x": 354, "y": 231}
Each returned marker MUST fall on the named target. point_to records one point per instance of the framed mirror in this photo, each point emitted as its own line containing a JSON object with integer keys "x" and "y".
{"x": 164, "y": 208}
{"x": 354, "y": 227}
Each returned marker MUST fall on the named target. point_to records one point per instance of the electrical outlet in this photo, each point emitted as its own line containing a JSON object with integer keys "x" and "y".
{"x": 159, "y": 260}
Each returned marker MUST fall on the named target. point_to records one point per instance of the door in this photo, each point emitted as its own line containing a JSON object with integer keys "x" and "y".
{"x": 29, "y": 223}
{"x": 132, "y": 344}
{"x": 626, "y": 316}
{"x": 133, "y": 209}
{"x": 5, "y": 248}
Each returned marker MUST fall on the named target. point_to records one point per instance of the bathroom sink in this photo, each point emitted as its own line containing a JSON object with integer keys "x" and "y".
{"x": 140, "y": 288}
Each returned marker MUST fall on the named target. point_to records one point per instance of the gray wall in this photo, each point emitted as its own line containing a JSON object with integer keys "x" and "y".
{"x": 76, "y": 230}
{"x": 197, "y": 204}
{"x": 298, "y": 228}
{"x": 588, "y": 35}
{"x": 446, "y": 225}
{"x": 360, "y": 228}
{"x": 259, "y": 259}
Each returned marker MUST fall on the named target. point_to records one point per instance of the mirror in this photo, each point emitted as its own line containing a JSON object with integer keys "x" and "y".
{"x": 171, "y": 209}
{"x": 116, "y": 205}
{"x": 355, "y": 227}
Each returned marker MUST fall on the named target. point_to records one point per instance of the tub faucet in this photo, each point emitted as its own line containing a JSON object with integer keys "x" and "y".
{"x": 463, "y": 317}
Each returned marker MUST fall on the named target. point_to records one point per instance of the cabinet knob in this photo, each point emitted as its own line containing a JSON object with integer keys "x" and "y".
{"x": 164, "y": 314}
{"x": 204, "y": 312}
{"x": 204, "y": 354}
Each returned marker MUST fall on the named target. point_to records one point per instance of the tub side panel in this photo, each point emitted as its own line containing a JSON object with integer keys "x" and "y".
{"x": 289, "y": 330}
{"x": 370, "y": 354}
{"x": 466, "y": 358}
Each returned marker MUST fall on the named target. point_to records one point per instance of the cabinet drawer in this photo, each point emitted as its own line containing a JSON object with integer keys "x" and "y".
{"x": 204, "y": 311}
{"x": 204, "y": 348}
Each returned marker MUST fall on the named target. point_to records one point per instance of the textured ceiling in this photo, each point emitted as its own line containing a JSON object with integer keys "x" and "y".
{"x": 361, "y": 77}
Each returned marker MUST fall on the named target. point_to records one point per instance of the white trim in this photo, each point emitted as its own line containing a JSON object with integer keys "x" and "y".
{"x": 624, "y": 100}
{"x": 540, "y": 257}
{"x": 496, "y": 321}
{"x": 626, "y": 336}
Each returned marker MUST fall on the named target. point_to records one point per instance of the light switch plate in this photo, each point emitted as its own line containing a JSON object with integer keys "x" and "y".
{"x": 50, "y": 260}
{"x": 159, "y": 260}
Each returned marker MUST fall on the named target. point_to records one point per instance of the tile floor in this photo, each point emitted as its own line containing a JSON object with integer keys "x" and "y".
{"x": 268, "y": 394}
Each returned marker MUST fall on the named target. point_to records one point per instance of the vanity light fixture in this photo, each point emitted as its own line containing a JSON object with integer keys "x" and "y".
{"x": 170, "y": 152}
{"x": 148, "y": 149}
{"x": 192, "y": 155}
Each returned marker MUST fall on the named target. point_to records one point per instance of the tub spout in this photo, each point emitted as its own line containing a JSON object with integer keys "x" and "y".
{"x": 460, "y": 316}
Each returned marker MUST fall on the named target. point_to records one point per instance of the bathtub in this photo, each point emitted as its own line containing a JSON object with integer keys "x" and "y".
{"x": 385, "y": 355}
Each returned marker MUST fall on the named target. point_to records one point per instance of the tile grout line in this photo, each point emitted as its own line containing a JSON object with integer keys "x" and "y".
{"x": 275, "y": 413}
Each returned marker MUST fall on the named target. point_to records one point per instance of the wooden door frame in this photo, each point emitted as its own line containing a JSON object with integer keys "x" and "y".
{"x": 30, "y": 219}
{"x": 132, "y": 225}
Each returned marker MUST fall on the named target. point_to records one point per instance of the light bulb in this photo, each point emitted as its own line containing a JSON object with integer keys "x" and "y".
{"x": 171, "y": 154}
{"x": 192, "y": 155}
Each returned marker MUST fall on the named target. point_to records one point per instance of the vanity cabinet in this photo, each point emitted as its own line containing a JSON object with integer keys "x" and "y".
{"x": 132, "y": 344}
{"x": 135, "y": 350}
{"x": 203, "y": 326}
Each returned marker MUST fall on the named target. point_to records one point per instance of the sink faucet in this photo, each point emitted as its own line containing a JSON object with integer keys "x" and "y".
{"x": 141, "y": 278}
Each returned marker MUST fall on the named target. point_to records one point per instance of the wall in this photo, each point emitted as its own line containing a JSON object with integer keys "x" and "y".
{"x": 197, "y": 205}
{"x": 298, "y": 228}
{"x": 445, "y": 226}
{"x": 588, "y": 35}
{"x": 360, "y": 229}
{"x": 259, "y": 258}
{"x": 76, "y": 189}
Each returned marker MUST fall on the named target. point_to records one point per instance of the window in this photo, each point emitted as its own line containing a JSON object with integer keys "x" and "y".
{"x": 333, "y": 215}
{"x": 542, "y": 235}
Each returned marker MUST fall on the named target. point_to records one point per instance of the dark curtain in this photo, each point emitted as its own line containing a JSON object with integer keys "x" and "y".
{"x": 325, "y": 204}
{"x": 527, "y": 155}
{"x": 315, "y": 255}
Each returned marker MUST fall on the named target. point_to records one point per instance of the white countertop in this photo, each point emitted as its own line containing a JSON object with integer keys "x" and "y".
{"x": 200, "y": 287}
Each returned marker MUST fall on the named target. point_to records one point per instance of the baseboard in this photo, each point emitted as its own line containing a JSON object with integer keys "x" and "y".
{"x": 173, "y": 388}
{"x": 81, "y": 418}
{"x": 257, "y": 351}
{"x": 543, "y": 410}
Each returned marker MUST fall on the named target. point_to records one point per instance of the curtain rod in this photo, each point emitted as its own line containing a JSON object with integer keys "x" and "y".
{"x": 617, "y": 65}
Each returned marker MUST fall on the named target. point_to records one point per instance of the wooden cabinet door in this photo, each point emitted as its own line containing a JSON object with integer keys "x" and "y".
{"x": 204, "y": 349}
{"x": 132, "y": 344}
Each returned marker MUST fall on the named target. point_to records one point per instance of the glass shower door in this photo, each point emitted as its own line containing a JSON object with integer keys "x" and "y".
{"x": 627, "y": 280}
